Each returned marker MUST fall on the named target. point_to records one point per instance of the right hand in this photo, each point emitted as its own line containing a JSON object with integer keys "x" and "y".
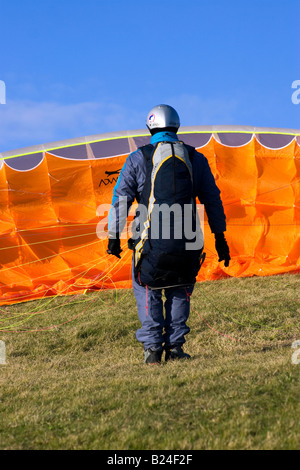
{"x": 222, "y": 248}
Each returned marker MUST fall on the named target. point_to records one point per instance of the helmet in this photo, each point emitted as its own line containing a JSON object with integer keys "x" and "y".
{"x": 161, "y": 117}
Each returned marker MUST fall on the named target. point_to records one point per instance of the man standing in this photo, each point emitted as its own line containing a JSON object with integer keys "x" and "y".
{"x": 166, "y": 173}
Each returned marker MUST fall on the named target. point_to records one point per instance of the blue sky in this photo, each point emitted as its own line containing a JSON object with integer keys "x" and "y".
{"x": 83, "y": 67}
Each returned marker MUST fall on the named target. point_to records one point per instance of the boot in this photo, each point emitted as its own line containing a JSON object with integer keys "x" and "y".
{"x": 152, "y": 357}
{"x": 175, "y": 352}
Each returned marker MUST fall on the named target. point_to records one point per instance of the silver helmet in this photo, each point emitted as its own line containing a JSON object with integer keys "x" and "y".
{"x": 162, "y": 116}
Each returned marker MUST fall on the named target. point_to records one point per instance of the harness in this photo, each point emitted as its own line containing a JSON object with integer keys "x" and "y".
{"x": 163, "y": 261}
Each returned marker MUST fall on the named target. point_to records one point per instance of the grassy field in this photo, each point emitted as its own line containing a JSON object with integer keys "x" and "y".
{"x": 83, "y": 384}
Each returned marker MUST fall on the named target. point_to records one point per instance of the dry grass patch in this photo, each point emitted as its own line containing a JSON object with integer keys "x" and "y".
{"x": 83, "y": 385}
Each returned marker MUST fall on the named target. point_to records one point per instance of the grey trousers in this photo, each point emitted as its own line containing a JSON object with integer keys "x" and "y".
{"x": 162, "y": 323}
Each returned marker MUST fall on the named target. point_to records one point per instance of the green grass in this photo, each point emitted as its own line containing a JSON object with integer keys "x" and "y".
{"x": 83, "y": 385}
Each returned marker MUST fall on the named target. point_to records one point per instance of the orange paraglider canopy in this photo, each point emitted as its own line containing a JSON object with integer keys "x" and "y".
{"x": 54, "y": 203}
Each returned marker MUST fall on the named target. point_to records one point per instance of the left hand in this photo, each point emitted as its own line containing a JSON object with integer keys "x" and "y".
{"x": 114, "y": 247}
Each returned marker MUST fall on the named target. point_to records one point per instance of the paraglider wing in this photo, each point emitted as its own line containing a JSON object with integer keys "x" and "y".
{"x": 55, "y": 198}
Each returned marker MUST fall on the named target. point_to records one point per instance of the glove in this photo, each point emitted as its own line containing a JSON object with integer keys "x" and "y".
{"x": 114, "y": 246}
{"x": 131, "y": 244}
{"x": 222, "y": 248}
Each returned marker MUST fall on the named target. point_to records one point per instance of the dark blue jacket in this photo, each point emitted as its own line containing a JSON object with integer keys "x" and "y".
{"x": 132, "y": 178}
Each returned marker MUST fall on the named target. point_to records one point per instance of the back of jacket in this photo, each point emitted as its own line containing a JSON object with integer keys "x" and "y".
{"x": 131, "y": 181}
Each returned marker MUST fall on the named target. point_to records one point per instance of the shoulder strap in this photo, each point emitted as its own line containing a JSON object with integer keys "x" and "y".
{"x": 191, "y": 151}
{"x": 147, "y": 151}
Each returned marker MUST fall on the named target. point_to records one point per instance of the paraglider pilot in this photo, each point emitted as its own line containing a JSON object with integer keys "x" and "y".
{"x": 165, "y": 178}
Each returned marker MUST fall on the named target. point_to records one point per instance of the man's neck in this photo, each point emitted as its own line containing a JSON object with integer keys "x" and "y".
{"x": 164, "y": 136}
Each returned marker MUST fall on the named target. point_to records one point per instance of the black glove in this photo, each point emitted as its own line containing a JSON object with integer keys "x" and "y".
{"x": 114, "y": 246}
{"x": 131, "y": 244}
{"x": 222, "y": 248}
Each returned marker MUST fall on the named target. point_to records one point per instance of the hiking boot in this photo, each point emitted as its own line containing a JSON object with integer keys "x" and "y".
{"x": 152, "y": 357}
{"x": 176, "y": 352}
